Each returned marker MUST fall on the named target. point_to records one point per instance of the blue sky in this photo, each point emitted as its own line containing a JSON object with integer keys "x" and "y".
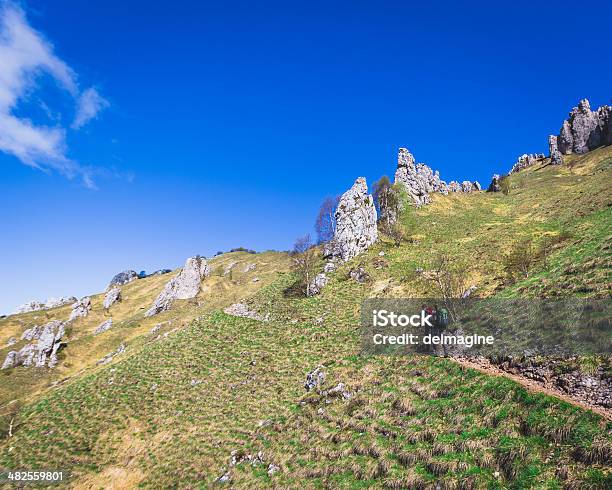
{"x": 136, "y": 134}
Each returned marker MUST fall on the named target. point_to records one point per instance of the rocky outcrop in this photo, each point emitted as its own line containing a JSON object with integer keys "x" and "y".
{"x": 526, "y": 160}
{"x": 80, "y": 309}
{"x": 104, "y": 326}
{"x": 123, "y": 278}
{"x": 112, "y": 296}
{"x": 594, "y": 388}
{"x": 553, "y": 151}
{"x": 317, "y": 284}
{"x": 32, "y": 333}
{"x": 420, "y": 180}
{"x": 243, "y": 311}
{"x": 185, "y": 285}
{"x": 356, "y": 228}
{"x": 41, "y": 354}
{"x": 584, "y": 129}
{"x": 229, "y": 267}
{"x": 50, "y": 303}
{"x": 495, "y": 185}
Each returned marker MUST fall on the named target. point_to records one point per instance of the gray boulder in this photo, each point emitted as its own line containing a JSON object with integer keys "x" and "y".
{"x": 418, "y": 179}
{"x": 104, "y": 326}
{"x": 584, "y": 129}
{"x": 43, "y": 353}
{"x": 243, "y": 311}
{"x": 50, "y": 303}
{"x": 315, "y": 379}
{"x": 31, "y": 306}
{"x": 80, "y": 309}
{"x": 356, "y": 228}
{"x": 32, "y": 333}
{"x": 317, "y": 284}
{"x": 553, "y": 149}
{"x": 185, "y": 285}
{"x": 112, "y": 296}
{"x": 526, "y": 160}
{"x": 123, "y": 278}
{"x": 56, "y": 302}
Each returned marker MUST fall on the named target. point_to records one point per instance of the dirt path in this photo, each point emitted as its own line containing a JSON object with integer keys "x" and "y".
{"x": 486, "y": 367}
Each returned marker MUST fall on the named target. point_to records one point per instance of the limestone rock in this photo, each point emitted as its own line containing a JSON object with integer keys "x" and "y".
{"x": 32, "y": 333}
{"x": 44, "y": 352}
{"x": 123, "y": 278}
{"x": 228, "y": 268}
{"x": 526, "y": 160}
{"x": 104, "y": 326}
{"x": 329, "y": 267}
{"x": 185, "y": 285}
{"x": 317, "y": 284}
{"x": 55, "y": 302}
{"x": 454, "y": 186}
{"x": 112, "y": 296}
{"x": 11, "y": 360}
{"x": 80, "y": 309}
{"x": 584, "y": 129}
{"x": 553, "y": 149}
{"x": 11, "y": 341}
{"x": 315, "y": 379}
{"x": 418, "y": 179}
{"x": 243, "y": 311}
{"x": 356, "y": 228}
{"x": 31, "y": 306}
{"x": 50, "y": 303}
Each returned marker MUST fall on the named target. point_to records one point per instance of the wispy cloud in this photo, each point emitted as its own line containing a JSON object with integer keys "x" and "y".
{"x": 89, "y": 106}
{"x": 24, "y": 55}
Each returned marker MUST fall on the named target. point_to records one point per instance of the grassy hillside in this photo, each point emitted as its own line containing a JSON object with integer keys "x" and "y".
{"x": 171, "y": 409}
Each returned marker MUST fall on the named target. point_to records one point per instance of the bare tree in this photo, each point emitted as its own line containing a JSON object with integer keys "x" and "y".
{"x": 325, "y": 226}
{"x": 388, "y": 203}
{"x": 304, "y": 261}
{"x": 504, "y": 185}
{"x": 522, "y": 258}
{"x": 449, "y": 281}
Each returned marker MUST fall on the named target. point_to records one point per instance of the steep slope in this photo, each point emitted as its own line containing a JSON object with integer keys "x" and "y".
{"x": 170, "y": 410}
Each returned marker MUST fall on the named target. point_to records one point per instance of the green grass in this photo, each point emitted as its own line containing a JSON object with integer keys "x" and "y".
{"x": 411, "y": 421}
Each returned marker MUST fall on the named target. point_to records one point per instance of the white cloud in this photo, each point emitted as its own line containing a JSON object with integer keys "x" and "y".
{"x": 24, "y": 55}
{"x": 90, "y": 104}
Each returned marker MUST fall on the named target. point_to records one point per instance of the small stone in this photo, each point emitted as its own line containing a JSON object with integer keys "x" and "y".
{"x": 315, "y": 379}
{"x": 104, "y": 326}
